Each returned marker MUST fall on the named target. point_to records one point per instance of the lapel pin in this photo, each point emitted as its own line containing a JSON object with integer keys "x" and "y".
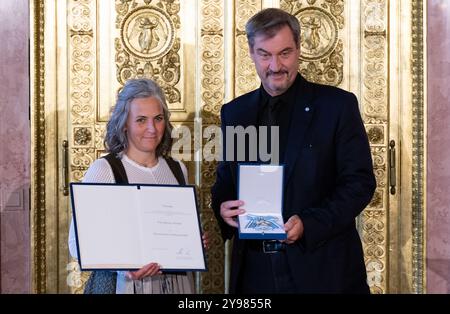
{"x": 306, "y": 109}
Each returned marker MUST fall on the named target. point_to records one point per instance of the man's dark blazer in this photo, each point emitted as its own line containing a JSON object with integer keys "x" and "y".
{"x": 328, "y": 181}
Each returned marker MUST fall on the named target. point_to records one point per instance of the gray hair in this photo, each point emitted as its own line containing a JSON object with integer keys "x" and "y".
{"x": 116, "y": 138}
{"x": 268, "y": 22}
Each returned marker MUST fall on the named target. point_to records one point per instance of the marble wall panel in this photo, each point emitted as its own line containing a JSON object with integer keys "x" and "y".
{"x": 15, "y": 147}
{"x": 438, "y": 146}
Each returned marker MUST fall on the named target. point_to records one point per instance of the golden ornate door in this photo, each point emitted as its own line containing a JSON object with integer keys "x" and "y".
{"x": 84, "y": 50}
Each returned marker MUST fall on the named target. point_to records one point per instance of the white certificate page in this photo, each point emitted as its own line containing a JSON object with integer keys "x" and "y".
{"x": 261, "y": 189}
{"x": 129, "y": 226}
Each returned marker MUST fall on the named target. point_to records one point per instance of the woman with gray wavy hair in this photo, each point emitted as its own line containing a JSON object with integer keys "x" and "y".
{"x": 138, "y": 137}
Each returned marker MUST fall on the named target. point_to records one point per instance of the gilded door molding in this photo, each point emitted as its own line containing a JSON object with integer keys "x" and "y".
{"x": 419, "y": 136}
{"x": 38, "y": 230}
{"x": 212, "y": 91}
{"x": 374, "y": 101}
{"x": 321, "y": 44}
{"x": 149, "y": 45}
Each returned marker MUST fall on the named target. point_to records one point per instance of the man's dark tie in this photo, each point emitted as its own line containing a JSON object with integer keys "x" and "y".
{"x": 269, "y": 118}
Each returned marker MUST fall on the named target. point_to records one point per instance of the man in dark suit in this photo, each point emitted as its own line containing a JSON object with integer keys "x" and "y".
{"x": 328, "y": 177}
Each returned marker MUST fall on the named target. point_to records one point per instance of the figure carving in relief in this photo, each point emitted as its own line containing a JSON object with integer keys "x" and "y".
{"x": 145, "y": 29}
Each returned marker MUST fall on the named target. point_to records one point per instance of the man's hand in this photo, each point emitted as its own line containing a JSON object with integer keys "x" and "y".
{"x": 229, "y": 210}
{"x": 294, "y": 229}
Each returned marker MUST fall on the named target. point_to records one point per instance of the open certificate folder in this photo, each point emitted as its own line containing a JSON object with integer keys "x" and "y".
{"x": 261, "y": 189}
{"x": 121, "y": 227}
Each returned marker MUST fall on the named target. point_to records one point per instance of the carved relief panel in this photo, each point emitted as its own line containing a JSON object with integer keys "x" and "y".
{"x": 322, "y": 24}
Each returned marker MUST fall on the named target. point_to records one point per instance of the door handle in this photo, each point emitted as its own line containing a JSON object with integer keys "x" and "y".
{"x": 65, "y": 167}
{"x": 392, "y": 168}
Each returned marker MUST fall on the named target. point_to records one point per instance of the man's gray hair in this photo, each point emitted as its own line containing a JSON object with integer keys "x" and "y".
{"x": 268, "y": 22}
{"x": 116, "y": 138}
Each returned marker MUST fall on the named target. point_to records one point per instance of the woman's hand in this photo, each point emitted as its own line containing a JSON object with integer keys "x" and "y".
{"x": 146, "y": 271}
